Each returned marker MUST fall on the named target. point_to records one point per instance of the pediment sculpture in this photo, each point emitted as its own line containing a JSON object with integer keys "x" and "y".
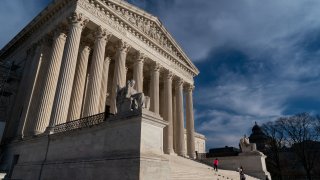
{"x": 128, "y": 99}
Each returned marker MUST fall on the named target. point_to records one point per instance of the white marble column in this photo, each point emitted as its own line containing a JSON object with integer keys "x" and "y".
{"x": 180, "y": 119}
{"x": 174, "y": 119}
{"x": 30, "y": 75}
{"x": 67, "y": 72}
{"x": 37, "y": 90}
{"x": 154, "y": 88}
{"x": 79, "y": 83}
{"x": 48, "y": 89}
{"x": 104, "y": 85}
{"x": 96, "y": 69}
{"x": 190, "y": 122}
{"x": 85, "y": 95}
{"x": 168, "y": 130}
{"x": 119, "y": 76}
{"x": 126, "y": 73}
{"x": 138, "y": 71}
{"x": 161, "y": 99}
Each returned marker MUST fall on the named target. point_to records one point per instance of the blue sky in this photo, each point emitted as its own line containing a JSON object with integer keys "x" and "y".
{"x": 258, "y": 60}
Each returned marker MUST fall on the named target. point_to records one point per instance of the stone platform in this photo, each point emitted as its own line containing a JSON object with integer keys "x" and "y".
{"x": 122, "y": 147}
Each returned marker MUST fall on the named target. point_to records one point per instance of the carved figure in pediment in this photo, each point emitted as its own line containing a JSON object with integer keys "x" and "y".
{"x": 140, "y": 24}
{"x": 170, "y": 47}
{"x": 118, "y": 10}
{"x": 146, "y": 28}
{"x": 153, "y": 32}
{"x": 161, "y": 41}
{"x": 158, "y": 35}
{"x": 121, "y": 11}
{"x": 132, "y": 18}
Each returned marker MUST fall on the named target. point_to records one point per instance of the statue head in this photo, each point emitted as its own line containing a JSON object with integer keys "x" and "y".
{"x": 133, "y": 82}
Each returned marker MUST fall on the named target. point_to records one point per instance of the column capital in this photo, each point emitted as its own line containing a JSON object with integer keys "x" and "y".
{"x": 123, "y": 46}
{"x": 78, "y": 19}
{"x": 140, "y": 57}
{"x": 169, "y": 75}
{"x": 86, "y": 48}
{"x": 179, "y": 82}
{"x": 86, "y": 42}
{"x": 45, "y": 40}
{"x": 156, "y": 67}
{"x": 60, "y": 32}
{"x": 189, "y": 87}
{"x": 102, "y": 33}
{"x": 107, "y": 59}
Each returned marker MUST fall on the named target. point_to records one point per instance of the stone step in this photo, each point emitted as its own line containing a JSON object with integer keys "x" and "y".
{"x": 187, "y": 169}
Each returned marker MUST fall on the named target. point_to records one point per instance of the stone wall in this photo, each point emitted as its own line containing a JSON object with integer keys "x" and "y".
{"x": 123, "y": 148}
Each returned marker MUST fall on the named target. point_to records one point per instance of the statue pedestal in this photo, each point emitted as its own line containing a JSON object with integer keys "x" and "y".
{"x": 126, "y": 146}
{"x": 254, "y": 164}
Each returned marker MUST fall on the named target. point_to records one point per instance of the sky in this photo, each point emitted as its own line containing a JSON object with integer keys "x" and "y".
{"x": 258, "y": 60}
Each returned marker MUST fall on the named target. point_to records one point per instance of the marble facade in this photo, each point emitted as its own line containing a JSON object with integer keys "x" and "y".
{"x": 77, "y": 53}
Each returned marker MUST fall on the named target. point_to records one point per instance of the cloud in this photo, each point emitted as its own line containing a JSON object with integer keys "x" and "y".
{"x": 201, "y": 26}
{"x": 15, "y": 15}
{"x": 257, "y": 60}
{"x": 224, "y": 128}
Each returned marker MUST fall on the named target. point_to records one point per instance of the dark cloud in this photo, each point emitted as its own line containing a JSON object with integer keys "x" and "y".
{"x": 258, "y": 60}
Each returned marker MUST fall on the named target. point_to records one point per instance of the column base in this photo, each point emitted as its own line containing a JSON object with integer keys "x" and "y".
{"x": 192, "y": 156}
{"x": 183, "y": 155}
{"x": 49, "y": 130}
{"x": 171, "y": 152}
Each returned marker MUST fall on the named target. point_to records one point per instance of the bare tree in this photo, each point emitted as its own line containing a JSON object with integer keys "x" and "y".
{"x": 275, "y": 144}
{"x": 301, "y": 133}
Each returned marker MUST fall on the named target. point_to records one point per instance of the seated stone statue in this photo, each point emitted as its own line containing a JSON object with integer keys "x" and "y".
{"x": 246, "y": 146}
{"x": 128, "y": 99}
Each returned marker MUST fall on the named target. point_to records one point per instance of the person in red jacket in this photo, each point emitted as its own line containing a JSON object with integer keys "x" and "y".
{"x": 215, "y": 164}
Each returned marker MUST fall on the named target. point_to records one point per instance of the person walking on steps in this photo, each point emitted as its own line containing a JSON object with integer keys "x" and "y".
{"x": 240, "y": 169}
{"x": 242, "y": 176}
{"x": 215, "y": 164}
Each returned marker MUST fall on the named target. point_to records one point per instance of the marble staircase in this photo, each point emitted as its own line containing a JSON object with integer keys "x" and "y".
{"x": 187, "y": 169}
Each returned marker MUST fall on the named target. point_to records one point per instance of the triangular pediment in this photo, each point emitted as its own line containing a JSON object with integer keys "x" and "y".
{"x": 152, "y": 28}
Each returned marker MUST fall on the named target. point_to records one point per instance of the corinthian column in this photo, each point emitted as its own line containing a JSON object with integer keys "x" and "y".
{"x": 119, "y": 73}
{"x": 94, "y": 84}
{"x": 46, "y": 98}
{"x": 180, "y": 119}
{"x": 154, "y": 86}
{"x": 79, "y": 84}
{"x": 69, "y": 61}
{"x": 190, "y": 123}
{"x": 37, "y": 89}
{"x": 138, "y": 71}
{"x": 31, "y": 77}
{"x": 168, "y": 130}
{"x": 104, "y": 85}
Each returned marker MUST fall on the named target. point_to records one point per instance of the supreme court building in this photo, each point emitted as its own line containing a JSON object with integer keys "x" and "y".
{"x": 64, "y": 122}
